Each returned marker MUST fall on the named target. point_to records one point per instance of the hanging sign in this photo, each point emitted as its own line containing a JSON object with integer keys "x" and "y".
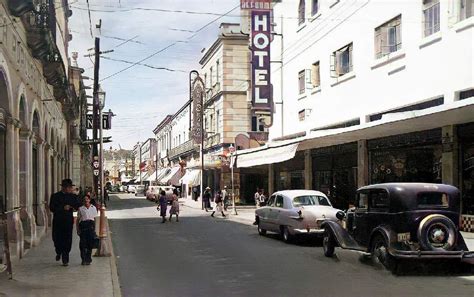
{"x": 255, "y": 4}
{"x": 197, "y": 96}
{"x": 260, "y": 45}
{"x": 106, "y": 121}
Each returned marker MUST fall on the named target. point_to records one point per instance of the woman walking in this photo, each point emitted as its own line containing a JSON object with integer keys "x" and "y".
{"x": 86, "y": 229}
{"x": 163, "y": 205}
{"x": 219, "y": 204}
{"x": 174, "y": 205}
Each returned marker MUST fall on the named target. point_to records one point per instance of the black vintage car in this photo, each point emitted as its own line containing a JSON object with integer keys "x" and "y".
{"x": 400, "y": 220}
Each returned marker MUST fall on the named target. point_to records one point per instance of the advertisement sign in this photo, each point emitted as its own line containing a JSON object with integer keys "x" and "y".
{"x": 197, "y": 96}
{"x": 106, "y": 121}
{"x": 260, "y": 46}
{"x": 255, "y": 4}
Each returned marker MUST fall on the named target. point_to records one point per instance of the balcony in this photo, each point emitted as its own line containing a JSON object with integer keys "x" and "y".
{"x": 40, "y": 38}
{"x": 20, "y": 7}
{"x": 212, "y": 140}
{"x": 182, "y": 149}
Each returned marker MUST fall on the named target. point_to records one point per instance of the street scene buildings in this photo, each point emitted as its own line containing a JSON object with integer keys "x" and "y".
{"x": 332, "y": 126}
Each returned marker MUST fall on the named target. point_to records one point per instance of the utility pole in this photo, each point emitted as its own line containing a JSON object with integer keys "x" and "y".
{"x": 95, "y": 114}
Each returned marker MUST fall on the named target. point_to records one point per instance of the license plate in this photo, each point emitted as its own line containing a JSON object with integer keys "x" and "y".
{"x": 403, "y": 237}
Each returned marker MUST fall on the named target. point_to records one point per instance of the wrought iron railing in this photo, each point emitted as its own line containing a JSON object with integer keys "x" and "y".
{"x": 184, "y": 148}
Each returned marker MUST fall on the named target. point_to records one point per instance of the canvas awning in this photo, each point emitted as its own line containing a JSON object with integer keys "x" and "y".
{"x": 172, "y": 177}
{"x": 191, "y": 177}
{"x": 266, "y": 155}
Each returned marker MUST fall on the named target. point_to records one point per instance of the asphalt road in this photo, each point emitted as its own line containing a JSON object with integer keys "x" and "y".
{"x": 204, "y": 256}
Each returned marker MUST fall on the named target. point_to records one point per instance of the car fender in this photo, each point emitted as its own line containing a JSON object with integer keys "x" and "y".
{"x": 341, "y": 235}
{"x": 388, "y": 234}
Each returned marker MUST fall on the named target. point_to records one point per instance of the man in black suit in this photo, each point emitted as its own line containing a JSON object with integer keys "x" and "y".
{"x": 62, "y": 204}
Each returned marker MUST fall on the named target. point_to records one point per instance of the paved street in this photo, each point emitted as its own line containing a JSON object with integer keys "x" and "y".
{"x": 202, "y": 256}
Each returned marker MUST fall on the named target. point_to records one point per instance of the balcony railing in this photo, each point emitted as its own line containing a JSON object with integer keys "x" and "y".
{"x": 182, "y": 149}
{"x": 212, "y": 140}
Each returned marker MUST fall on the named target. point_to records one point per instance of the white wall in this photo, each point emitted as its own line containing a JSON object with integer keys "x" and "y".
{"x": 422, "y": 72}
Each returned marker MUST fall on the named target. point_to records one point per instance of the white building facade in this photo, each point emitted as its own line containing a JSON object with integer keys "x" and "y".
{"x": 371, "y": 91}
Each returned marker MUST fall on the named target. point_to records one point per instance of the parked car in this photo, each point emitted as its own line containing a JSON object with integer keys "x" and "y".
{"x": 139, "y": 190}
{"x": 295, "y": 212}
{"x": 131, "y": 189}
{"x": 396, "y": 221}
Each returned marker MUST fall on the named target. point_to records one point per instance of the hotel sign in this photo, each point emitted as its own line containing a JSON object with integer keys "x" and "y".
{"x": 255, "y": 4}
{"x": 197, "y": 96}
{"x": 260, "y": 46}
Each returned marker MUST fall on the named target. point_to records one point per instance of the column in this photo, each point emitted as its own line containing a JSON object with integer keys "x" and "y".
{"x": 271, "y": 179}
{"x": 308, "y": 170}
{"x": 362, "y": 163}
{"x": 449, "y": 161}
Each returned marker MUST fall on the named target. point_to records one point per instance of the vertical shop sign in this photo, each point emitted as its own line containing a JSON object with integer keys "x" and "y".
{"x": 260, "y": 45}
{"x": 197, "y": 96}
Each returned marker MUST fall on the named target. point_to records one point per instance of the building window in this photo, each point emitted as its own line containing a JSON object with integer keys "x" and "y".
{"x": 301, "y": 12}
{"x": 217, "y": 121}
{"x": 301, "y": 81}
{"x": 217, "y": 71}
{"x": 315, "y": 77}
{"x": 466, "y": 9}
{"x": 301, "y": 115}
{"x": 314, "y": 7}
{"x": 430, "y": 17}
{"x": 205, "y": 80}
{"x": 210, "y": 77}
{"x": 388, "y": 37}
{"x": 341, "y": 61}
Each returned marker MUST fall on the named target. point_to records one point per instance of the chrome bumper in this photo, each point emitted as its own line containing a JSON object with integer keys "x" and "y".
{"x": 462, "y": 255}
{"x": 309, "y": 231}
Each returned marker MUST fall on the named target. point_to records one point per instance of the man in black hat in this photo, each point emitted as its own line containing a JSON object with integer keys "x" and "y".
{"x": 62, "y": 204}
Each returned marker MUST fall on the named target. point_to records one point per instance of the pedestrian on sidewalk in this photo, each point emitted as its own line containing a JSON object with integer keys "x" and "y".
{"x": 262, "y": 198}
{"x": 219, "y": 204}
{"x": 225, "y": 198}
{"x": 206, "y": 199}
{"x": 85, "y": 226}
{"x": 174, "y": 205}
{"x": 256, "y": 197}
{"x": 62, "y": 204}
{"x": 163, "y": 205}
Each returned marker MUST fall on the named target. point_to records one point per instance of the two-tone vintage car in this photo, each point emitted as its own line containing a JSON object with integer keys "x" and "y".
{"x": 400, "y": 221}
{"x": 295, "y": 212}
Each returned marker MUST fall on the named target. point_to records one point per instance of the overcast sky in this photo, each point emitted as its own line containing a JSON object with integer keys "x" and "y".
{"x": 142, "y": 96}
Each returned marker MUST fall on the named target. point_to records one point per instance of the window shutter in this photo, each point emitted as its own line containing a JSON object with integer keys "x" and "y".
{"x": 350, "y": 58}
{"x": 377, "y": 43}
{"x": 453, "y": 12}
{"x": 384, "y": 40}
{"x": 315, "y": 75}
{"x": 398, "y": 33}
{"x": 308, "y": 76}
{"x": 339, "y": 70}
{"x": 332, "y": 65}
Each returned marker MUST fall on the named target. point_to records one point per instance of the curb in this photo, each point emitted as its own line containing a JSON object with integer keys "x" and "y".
{"x": 117, "y": 292}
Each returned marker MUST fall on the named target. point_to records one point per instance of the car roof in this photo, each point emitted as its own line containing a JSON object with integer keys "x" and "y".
{"x": 412, "y": 187}
{"x": 296, "y": 193}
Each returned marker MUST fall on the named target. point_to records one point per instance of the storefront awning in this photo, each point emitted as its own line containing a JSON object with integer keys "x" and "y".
{"x": 173, "y": 176}
{"x": 191, "y": 177}
{"x": 267, "y": 155}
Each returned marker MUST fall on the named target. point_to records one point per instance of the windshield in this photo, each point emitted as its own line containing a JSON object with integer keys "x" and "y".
{"x": 308, "y": 200}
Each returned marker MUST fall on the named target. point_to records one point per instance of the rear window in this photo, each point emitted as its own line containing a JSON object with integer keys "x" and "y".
{"x": 433, "y": 199}
{"x": 310, "y": 200}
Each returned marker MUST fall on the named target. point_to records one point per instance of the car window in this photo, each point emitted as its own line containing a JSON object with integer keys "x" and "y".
{"x": 362, "y": 200}
{"x": 379, "y": 200}
{"x": 432, "y": 199}
{"x": 279, "y": 201}
{"x": 271, "y": 201}
{"x": 308, "y": 200}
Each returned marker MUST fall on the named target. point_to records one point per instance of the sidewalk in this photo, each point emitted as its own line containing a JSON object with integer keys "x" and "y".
{"x": 38, "y": 274}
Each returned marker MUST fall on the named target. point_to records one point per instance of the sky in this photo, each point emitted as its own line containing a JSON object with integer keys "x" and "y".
{"x": 142, "y": 96}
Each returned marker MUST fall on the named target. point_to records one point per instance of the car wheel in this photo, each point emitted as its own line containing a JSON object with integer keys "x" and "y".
{"x": 285, "y": 234}
{"x": 260, "y": 230}
{"x": 437, "y": 233}
{"x": 329, "y": 243}
{"x": 380, "y": 254}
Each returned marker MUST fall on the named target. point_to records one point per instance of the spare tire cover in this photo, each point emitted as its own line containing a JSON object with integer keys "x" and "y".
{"x": 437, "y": 233}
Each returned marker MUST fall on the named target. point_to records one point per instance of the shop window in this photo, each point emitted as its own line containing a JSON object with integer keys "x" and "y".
{"x": 301, "y": 82}
{"x": 301, "y": 12}
{"x": 388, "y": 37}
{"x": 431, "y": 22}
{"x": 314, "y": 7}
{"x": 341, "y": 61}
{"x": 315, "y": 77}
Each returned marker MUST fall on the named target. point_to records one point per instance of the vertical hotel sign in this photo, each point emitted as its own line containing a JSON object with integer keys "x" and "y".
{"x": 260, "y": 46}
{"x": 197, "y": 95}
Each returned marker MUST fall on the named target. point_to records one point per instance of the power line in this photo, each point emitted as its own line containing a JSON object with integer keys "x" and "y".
{"x": 145, "y": 65}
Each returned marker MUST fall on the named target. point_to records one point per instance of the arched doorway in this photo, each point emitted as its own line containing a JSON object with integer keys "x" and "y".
{"x": 4, "y": 111}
